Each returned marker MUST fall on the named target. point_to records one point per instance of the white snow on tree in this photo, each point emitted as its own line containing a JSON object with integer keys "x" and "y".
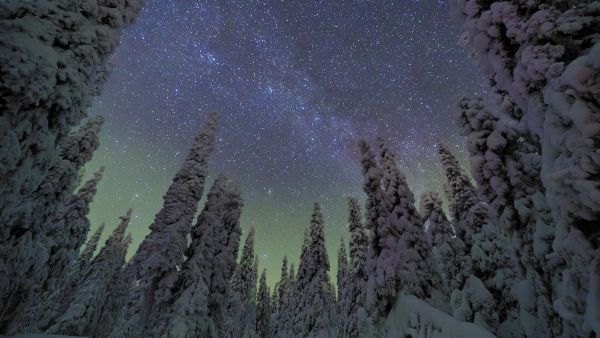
{"x": 65, "y": 234}
{"x": 342, "y": 274}
{"x": 86, "y": 255}
{"x": 241, "y": 307}
{"x": 544, "y": 56}
{"x": 466, "y": 209}
{"x": 118, "y": 288}
{"x": 439, "y": 229}
{"x": 537, "y": 67}
{"x": 372, "y": 186}
{"x": 487, "y": 257}
{"x": 282, "y": 285}
{"x": 217, "y": 236}
{"x": 69, "y": 231}
{"x": 342, "y": 284}
{"x": 196, "y": 306}
{"x": 506, "y": 164}
{"x": 314, "y": 308}
{"x": 54, "y": 57}
{"x": 399, "y": 257}
{"x": 80, "y": 145}
{"x": 263, "y": 308}
{"x": 163, "y": 249}
{"x": 82, "y": 313}
{"x": 445, "y": 247}
{"x": 353, "y": 315}
{"x": 281, "y": 325}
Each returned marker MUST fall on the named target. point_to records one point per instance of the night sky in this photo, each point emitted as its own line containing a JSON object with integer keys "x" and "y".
{"x": 296, "y": 84}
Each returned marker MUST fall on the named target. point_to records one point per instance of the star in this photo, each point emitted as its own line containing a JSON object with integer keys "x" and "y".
{"x": 296, "y": 84}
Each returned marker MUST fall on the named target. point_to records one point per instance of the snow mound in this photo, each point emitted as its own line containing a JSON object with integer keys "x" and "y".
{"x": 414, "y": 317}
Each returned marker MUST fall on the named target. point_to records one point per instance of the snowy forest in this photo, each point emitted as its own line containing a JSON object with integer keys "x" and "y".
{"x": 517, "y": 255}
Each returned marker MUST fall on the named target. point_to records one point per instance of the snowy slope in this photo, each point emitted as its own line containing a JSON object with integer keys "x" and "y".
{"x": 412, "y": 316}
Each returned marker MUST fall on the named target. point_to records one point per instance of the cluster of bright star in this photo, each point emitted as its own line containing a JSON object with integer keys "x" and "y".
{"x": 296, "y": 84}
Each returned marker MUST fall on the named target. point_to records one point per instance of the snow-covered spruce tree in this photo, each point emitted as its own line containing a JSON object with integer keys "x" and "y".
{"x": 493, "y": 269}
{"x": 354, "y": 312}
{"x": 196, "y": 307}
{"x": 118, "y": 288}
{"x": 302, "y": 264}
{"x": 467, "y": 211}
{"x": 485, "y": 241}
{"x": 292, "y": 277}
{"x": 546, "y": 53}
{"x": 254, "y": 275}
{"x": 439, "y": 229}
{"x": 263, "y": 308}
{"x": 445, "y": 248}
{"x": 489, "y": 158}
{"x": 218, "y": 242}
{"x": 79, "y": 146}
{"x": 82, "y": 313}
{"x": 399, "y": 257}
{"x": 86, "y": 255}
{"x": 46, "y": 88}
{"x": 313, "y": 314}
{"x": 342, "y": 284}
{"x": 46, "y": 231}
{"x": 284, "y": 327}
{"x": 373, "y": 174}
{"x": 304, "y": 249}
{"x": 65, "y": 233}
{"x": 359, "y": 238}
{"x": 241, "y": 307}
{"x": 543, "y": 55}
{"x": 273, "y": 306}
{"x": 283, "y": 311}
{"x": 283, "y": 284}
{"x": 342, "y": 274}
{"x": 506, "y": 165}
{"x": 162, "y": 251}
{"x": 488, "y": 257}
{"x": 68, "y": 232}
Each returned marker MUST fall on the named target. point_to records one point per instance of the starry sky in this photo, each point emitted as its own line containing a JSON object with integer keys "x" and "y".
{"x": 296, "y": 83}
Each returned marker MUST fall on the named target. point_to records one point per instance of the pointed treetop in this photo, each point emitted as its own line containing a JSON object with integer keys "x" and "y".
{"x": 400, "y": 253}
{"x": 317, "y": 237}
{"x": 431, "y": 205}
{"x": 88, "y": 190}
{"x": 263, "y": 278}
{"x": 127, "y": 240}
{"x": 79, "y": 147}
{"x": 292, "y": 274}
{"x": 263, "y": 311}
{"x": 244, "y": 277}
{"x": 387, "y": 162}
{"x": 119, "y": 232}
{"x": 370, "y": 169}
{"x": 354, "y": 217}
{"x": 306, "y": 239}
{"x": 372, "y": 179}
{"x": 90, "y": 247}
{"x": 460, "y": 188}
{"x": 284, "y": 269}
{"x": 248, "y": 250}
{"x": 164, "y": 247}
{"x": 359, "y": 239}
{"x": 439, "y": 229}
